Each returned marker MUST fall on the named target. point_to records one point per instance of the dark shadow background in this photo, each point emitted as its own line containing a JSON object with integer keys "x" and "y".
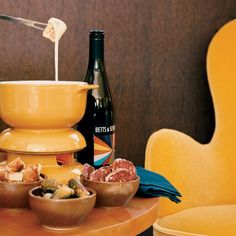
{"x": 155, "y": 53}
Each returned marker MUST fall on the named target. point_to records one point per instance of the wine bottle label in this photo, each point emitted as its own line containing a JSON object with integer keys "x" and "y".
{"x": 104, "y": 129}
{"x": 104, "y": 145}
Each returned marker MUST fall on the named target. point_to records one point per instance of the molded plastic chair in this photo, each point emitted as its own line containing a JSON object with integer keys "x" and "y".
{"x": 205, "y": 174}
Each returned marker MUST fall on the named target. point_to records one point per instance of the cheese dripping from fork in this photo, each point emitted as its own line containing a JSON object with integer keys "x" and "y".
{"x": 54, "y": 31}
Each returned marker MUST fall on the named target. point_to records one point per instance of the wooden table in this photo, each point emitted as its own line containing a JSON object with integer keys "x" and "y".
{"x": 138, "y": 215}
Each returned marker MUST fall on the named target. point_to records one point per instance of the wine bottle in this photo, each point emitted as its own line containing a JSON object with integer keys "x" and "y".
{"x": 97, "y": 125}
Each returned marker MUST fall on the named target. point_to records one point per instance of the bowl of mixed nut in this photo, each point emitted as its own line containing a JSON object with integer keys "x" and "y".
{"x": 62, "y": 206}
{"x": 16, "y": 179}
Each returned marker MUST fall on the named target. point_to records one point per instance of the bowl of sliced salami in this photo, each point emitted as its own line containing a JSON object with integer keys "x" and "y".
{"x": 115, "y": 184}
{"x": 16, "y": 179}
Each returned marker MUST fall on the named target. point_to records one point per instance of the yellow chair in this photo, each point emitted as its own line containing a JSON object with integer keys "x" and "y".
{"x": 205, "y": 174}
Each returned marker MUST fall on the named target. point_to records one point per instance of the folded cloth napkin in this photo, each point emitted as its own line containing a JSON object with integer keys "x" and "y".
{"x": 155, "y": 185}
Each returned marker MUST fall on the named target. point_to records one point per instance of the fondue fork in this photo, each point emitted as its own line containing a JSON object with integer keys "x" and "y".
{"x": 30, "y": 23}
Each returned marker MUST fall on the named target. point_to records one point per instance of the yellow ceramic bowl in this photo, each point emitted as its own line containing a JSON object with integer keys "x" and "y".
{"x": 112, "y": 194}
{"x": 61, "y": 214}
{"x": 43, "y": 104}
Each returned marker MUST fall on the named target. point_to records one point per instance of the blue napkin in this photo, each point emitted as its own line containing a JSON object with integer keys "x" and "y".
{"x": 155, "y": 185}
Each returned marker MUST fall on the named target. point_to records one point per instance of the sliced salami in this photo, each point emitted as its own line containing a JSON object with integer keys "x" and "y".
{"x": 87, "y": 170}
{"x": 106, "y": 170}
{"x": 124, "y": 164}
{"x": 96, "y": 175}
{"x": 119, "y": 175}
{"x": 121, "y": 170}
{"x": 100, "y": 174}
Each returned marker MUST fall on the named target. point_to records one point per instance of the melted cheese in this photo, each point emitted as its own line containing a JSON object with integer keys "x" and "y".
{"x": 54, "y": 31}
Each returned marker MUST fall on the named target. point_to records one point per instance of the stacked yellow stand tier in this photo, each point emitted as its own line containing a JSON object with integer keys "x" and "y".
{"x": 53, "y": 150}
{"x": 41, "y": 114}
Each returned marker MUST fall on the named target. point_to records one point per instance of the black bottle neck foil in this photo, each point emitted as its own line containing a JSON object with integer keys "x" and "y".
{"x": 96, "y": 45}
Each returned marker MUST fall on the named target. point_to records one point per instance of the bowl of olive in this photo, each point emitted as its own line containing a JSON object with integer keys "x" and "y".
{"x": 61, "y": 207}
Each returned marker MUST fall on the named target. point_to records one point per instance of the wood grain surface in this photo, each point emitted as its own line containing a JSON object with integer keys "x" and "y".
{"x": 155, "y": 53}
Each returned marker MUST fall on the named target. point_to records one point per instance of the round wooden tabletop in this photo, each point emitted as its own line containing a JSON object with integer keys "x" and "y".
{"x": 134, "y": 218}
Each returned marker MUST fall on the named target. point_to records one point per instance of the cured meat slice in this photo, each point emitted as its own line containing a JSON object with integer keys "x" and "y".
{"x": 96, "y": 175}
{"x": 119, "y": 175}
{"x": 121, "y": 170}
{"x": 87, "y": 170}
{"x": 106, "y": 170}
{"x": 101, "y": 173}
{"x": 120, "y": 163}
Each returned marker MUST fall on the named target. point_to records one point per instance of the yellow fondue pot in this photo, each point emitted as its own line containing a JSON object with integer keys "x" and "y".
{"x": 43, "y": 104}
{"x": 41, "y": 114}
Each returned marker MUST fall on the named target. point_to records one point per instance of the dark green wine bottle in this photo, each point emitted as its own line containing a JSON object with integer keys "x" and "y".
{"x": 98, "y": 123}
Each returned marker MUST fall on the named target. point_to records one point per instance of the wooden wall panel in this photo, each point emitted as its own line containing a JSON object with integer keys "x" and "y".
{"x": 155, "y": 59}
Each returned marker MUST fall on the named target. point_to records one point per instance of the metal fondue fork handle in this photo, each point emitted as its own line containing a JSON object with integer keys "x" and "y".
{"x": 30, "y": 23}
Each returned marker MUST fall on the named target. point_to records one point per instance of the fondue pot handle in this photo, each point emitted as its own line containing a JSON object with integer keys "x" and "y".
{"x": 88, "y": 86}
